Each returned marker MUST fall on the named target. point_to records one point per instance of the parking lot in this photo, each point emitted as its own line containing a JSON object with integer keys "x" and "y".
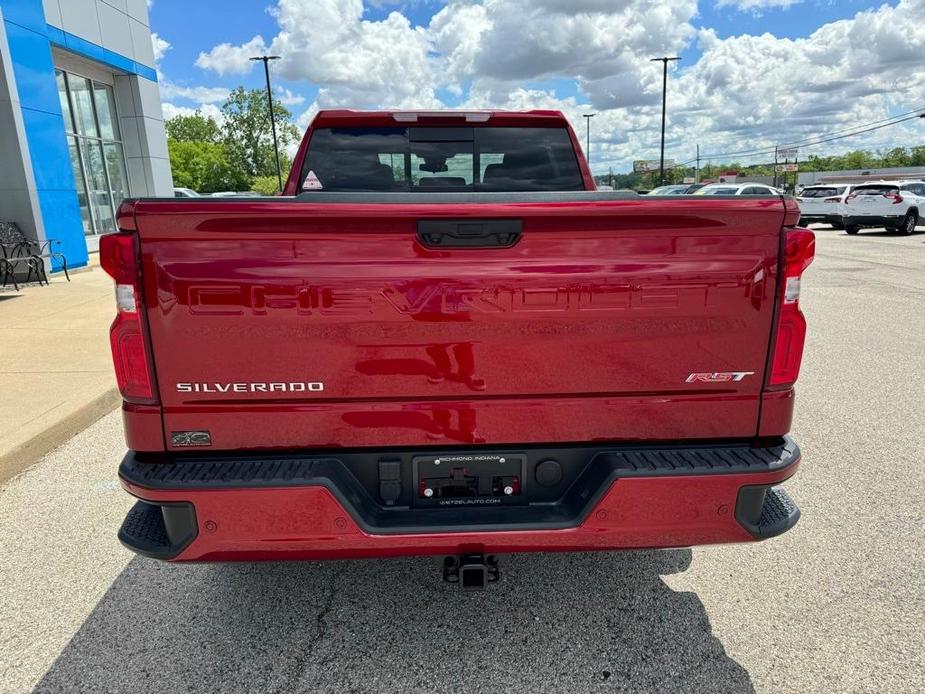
{"x": 837, "y": 604}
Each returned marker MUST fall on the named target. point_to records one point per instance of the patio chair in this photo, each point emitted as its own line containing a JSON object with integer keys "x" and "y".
{"x": 15, "y": 245}
{"x": 8, "y": 266}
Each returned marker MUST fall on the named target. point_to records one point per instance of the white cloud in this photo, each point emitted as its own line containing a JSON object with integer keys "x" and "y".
{"x": 288, "y": 98}
{"x": 305, "y": 118}
{"x": 236, "y": 60}
{"x": 211, "y": 110}
{"x": 160, "y": 46}
{"x": 202, "y": 95}
{"x": 744, "y": 92}
{"x": 355, "y": 61}
{"x": 603, "y": 44}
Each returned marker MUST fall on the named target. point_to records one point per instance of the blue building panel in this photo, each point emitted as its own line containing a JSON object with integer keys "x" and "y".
{"x": 33, "y": 67}
{"x": 58, "y": 208}
{"x": 29, "y": 14}
{"x": 119, "y": 61}
{"x": 84, "y": 48}
{"x": 92, "y": 51}
{"x": 55, "y": 35}
{"x": 148, "y": 73}
{"x": 48, "y": 149}
{"x": 30, "y": 39}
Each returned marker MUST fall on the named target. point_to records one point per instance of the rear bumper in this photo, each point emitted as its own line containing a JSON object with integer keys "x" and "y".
{"x": 822, "y": 218}
{"x": 304, "y": 507}
{"x": 873, "y": 221}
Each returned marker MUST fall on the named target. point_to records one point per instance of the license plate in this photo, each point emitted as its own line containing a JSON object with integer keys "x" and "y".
{"x": 454, "y": 480}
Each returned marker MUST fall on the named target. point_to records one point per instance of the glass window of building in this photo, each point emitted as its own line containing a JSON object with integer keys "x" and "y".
{"x": 95, "y": 146}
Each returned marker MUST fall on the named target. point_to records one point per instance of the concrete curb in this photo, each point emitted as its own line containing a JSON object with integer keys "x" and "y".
{"x": 30, "y": 452}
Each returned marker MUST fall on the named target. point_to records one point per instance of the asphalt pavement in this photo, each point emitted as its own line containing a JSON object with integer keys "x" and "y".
{"x": 837, "y": 604}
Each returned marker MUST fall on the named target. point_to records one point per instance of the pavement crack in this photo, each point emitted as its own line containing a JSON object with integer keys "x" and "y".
{"x": 321, "y": 618}
{"x": 321, "y": 626}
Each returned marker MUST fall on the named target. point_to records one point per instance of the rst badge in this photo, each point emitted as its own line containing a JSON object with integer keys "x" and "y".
{"x": 719, "y": 377}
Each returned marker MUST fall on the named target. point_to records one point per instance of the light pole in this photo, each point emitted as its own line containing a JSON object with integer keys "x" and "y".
{"x": 588, "y": 117}
{"x": 266, "y": 70}
{"x": 664, "y": 61}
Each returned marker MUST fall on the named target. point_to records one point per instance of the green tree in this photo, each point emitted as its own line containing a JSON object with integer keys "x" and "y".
{"x": 205, "y": 167}
{"x": 858, "y": 160}
{"x": 265, "y": 185}
{"x": 898, "y": 156}
{"x": 193, "y": 128}
{"x": 247, "y": 135}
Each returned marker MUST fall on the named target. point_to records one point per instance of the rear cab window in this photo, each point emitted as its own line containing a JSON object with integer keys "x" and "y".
{"x": 875, "y": 190}
{"x": 448, "y": 159}
{"x": 822, "y": 192}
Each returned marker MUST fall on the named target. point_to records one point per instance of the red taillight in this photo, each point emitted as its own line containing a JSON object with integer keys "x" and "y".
{"x": 894, "y": 196}
{"x": 799, "y": 250}
{"x": 119, "y": 258}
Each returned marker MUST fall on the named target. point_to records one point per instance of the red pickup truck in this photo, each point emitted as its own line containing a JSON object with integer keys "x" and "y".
{"x": 442, "y": 340}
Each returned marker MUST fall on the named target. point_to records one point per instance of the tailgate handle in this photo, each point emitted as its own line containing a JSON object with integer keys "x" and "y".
{"x": 469, "y": 233}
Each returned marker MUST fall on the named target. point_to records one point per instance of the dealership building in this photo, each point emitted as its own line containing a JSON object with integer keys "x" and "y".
{"x": 81, "y": 125}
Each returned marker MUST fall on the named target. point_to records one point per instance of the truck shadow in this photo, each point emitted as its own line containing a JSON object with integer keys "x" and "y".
{"x": 567, "y": 622}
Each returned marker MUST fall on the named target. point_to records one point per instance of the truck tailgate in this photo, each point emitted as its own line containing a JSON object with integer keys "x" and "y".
{"x": 289, "y": 323}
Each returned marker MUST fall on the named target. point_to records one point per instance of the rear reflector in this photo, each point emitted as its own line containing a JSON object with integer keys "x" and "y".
{"x": 130, "y": 356}
{"x": 799, "y": 250}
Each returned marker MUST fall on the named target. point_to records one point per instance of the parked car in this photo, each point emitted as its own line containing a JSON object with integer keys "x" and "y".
{"x": 670, "y": 190}
{"x": 824, "y": 203}
{"x": 738, "y": 189}
{"x": 236, "y": 194}
{"x": 185, "y": 193}
{"x": 411, "y": 353}
{"x": 896, "y": 206}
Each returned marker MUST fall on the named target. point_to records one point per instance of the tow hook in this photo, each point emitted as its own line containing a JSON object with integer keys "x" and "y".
{"x": 471, "y": 571}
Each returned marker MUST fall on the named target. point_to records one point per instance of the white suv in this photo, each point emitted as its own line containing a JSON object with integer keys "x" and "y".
{"x": 895, "y": 205}
{"x": 823, "y": 203}
{"x": 738, "y": 189}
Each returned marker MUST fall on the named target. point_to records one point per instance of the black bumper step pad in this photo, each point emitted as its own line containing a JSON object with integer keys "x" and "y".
{"x": 766, "y": 511}
{"x": 779, "y": 513}
{"x": 263, "y": 470}
{"x": 161, "y": 531}
{"x": 702, "y": 460}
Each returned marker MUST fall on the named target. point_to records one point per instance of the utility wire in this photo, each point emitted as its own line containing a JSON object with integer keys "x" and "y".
{"x": 820, "y": 139}
{"x": 916, "y": 112}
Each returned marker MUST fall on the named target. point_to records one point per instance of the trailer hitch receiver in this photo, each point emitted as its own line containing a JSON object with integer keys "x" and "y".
{"x": 471, "y": 571}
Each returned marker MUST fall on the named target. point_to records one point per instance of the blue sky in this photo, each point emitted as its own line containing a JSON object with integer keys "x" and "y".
{"x": 758, "y": 70}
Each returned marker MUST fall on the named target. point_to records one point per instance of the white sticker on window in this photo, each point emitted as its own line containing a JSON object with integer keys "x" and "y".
{"x": 312, "y": 182}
